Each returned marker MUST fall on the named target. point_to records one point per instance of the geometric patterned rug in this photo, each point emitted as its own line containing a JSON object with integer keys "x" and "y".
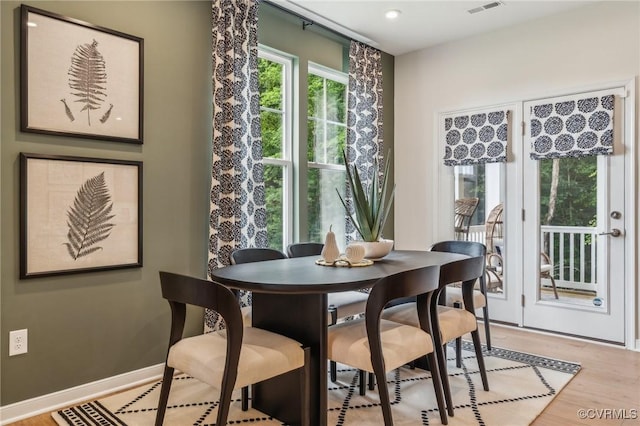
{"x": 521, "y": 384}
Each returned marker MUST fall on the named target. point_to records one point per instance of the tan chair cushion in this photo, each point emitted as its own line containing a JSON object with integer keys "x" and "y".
{"x": 263, "y": 355}
{"x": 348, "y": 303}
{"x": 348, "y": 344}
{"x": 454, "y": 294}
{"x": 454, "y": 322}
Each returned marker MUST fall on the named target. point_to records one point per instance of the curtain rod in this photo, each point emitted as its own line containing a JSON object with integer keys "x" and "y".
{"x": 308, "y": 22}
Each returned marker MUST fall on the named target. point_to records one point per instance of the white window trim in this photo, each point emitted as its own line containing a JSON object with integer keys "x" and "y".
{"x": 286, "y": 161}
{"x": 340, "y": 77}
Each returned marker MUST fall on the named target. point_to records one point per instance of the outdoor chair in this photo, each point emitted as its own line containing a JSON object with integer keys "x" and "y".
{"x": 464, "y": 209}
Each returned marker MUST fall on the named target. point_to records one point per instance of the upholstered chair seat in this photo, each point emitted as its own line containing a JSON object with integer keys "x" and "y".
{"x": 454, "y": 295}
{"x": 349, "y": 344}
{"x": 263, "y": 355}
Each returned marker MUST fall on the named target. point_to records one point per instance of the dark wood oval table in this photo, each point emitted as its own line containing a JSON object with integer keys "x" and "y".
{"x": 289, "y": 296}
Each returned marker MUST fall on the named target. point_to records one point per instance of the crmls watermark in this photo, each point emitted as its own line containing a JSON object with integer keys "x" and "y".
{"x": 608, "y": 413}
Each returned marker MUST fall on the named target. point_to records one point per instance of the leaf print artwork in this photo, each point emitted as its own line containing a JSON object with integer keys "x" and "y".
{"x": 67, "y": 110}
{"x": 88, "y": 77}
{"x": 88, "y": 218}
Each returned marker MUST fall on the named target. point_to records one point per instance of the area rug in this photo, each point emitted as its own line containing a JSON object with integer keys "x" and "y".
{"x": 521, "y": 384}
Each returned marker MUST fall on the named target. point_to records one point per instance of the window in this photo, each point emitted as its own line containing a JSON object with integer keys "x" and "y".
{"x": 326, "y": 138}
{"x": 275, "y": 76}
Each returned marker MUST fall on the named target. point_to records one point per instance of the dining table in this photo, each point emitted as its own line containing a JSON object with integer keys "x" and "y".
{"x": 289, "y": 297}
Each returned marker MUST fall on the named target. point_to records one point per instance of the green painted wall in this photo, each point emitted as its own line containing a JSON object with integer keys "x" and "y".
{"x": 87, "y": 327}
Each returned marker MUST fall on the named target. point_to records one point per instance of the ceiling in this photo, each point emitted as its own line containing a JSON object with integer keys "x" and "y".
{"x": 422, "y": 23}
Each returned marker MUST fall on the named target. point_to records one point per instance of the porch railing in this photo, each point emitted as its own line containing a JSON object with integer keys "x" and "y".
{"x": 572, "y": 250}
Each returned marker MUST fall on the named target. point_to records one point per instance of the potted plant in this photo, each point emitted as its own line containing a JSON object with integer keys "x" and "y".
{"x": 371, "y": 207}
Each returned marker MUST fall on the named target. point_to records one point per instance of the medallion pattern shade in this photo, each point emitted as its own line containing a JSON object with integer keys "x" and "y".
{"x": 364, "y": 116}
{"x": 476, "y": 138}
{"x": 238, "y": 216}
{"x": 572, "y": 128}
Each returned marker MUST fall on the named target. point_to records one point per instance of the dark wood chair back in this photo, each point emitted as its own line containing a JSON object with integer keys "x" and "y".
{"x": 420, "y": 284}
{"x": 470, "y": 248}
{"x": 304, "y": 249}
{"x": 466, "y": 271}
{"x": 249, "y": 255}
{"x": 180, "y": 291}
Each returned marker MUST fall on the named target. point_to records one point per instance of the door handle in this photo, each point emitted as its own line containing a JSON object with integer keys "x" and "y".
{"x": 615, "y": 232}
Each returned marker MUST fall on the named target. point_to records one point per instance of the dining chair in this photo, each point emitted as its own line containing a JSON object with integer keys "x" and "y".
{"x": 250, "y": 255}
{"x": 453, "y": 293}
{"x": 226, "y": 359}
{"x": 341, "y": 305}
{"x": 376, "y": 345}
{"x": 452, "y": 322}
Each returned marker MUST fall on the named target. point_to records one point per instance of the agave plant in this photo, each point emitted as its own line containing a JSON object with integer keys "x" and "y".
{"x": 371, "y": 203}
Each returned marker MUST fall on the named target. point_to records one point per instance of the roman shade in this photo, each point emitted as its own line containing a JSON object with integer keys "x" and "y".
{"x": 476, "y": 138}
{"x": 572, "y": 128}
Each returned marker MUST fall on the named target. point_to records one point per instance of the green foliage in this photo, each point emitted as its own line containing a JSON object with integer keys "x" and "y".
{"x": 326, "y": 137}
{"x": 371, "y": 205}
{"x": 577, "y": 191}
{"x": 576, "y": 205}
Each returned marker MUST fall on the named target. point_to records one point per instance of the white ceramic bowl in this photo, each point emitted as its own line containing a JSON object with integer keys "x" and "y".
{"x": 375, "y": 250}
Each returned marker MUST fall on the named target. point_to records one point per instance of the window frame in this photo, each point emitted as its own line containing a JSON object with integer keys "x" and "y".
{"x": 286, "y": 160}
{"x": 340, "y": 77}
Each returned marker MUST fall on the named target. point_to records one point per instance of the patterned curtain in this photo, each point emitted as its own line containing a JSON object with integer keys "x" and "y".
{"x": 476, "y": 139}
{"x": 572, "y": 128}
{"x": 364, "y": 116}
{"x": 238, "y": 210}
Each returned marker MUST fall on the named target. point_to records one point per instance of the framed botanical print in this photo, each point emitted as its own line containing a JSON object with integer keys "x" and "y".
{"x": 79, "y": 215}
{"x": 79, "y": 79}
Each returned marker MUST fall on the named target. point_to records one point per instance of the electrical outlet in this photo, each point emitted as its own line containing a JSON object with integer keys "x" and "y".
{"x": 18, "y": 342}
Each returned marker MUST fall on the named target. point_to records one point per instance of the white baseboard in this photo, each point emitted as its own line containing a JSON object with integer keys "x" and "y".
{"x": 89, "y": 391}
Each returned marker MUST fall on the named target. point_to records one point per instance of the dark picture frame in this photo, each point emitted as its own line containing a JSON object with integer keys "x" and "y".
{"x": 79, "y": 214}
{"x": 78, "y": 79}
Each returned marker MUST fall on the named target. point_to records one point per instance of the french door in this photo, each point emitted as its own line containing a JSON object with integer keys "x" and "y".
{"x": 573, "y": 251}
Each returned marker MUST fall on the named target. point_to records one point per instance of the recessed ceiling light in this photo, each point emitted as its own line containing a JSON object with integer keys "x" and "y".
{"x": 392, "y": 14}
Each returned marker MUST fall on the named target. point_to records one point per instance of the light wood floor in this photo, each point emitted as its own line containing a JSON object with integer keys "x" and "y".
{"x": 609, "y": 379}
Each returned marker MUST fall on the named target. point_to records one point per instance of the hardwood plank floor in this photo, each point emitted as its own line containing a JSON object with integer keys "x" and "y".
{"x": 609, "y": 379}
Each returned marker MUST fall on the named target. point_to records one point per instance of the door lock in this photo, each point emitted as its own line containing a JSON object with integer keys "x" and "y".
{"x": 615, "y": 215}
{"x": 614, "y": 232}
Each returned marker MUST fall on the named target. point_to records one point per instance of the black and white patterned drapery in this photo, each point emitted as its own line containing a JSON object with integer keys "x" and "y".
{"x": 237, "y": 210}
{"x": 364, "y": 116}
{"x": 572, "y": 128}
{"x": 476, "y": 138}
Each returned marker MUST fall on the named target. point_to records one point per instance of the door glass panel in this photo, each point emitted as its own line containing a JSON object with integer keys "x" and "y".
{"x": 568, "y": 232}
{"x": 479, "y": 215}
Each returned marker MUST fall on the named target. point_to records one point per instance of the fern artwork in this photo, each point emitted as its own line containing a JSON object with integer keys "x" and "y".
{"x": 89, "y": 218}
{"x": 88, "y": 81}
